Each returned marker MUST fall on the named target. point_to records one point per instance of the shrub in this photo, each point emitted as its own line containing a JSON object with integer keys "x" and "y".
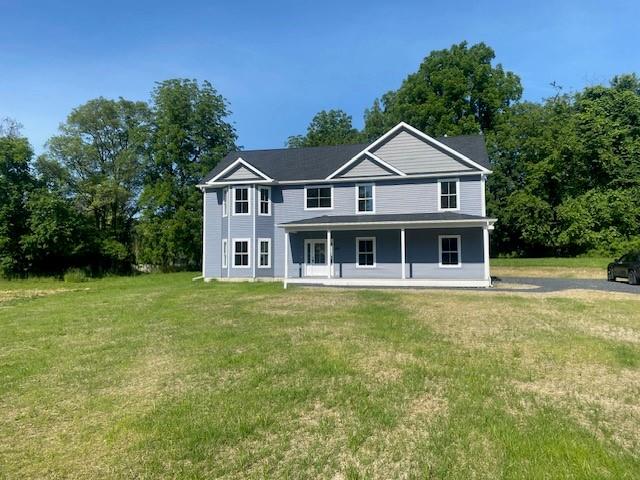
{"x": 75, "y": 275}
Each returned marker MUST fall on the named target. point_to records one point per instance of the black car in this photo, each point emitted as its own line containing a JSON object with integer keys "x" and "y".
{"x": 627, "y": 266}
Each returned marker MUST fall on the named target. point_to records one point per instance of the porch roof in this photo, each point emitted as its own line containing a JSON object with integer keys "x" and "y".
{"x": 401, "y": 220}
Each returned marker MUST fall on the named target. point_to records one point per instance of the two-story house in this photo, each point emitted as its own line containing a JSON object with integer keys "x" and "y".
{"x": 405, "y": 210}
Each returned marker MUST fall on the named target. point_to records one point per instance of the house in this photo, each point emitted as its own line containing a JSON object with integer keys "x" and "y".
{"x": 405, "y": 210}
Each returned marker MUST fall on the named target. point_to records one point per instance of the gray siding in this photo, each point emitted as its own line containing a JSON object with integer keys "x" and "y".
{"x": 392, "y": 196}
{"x": 422, "y": 254}
{"x": 365, "y": 167}
{"x": 240, "y": 173}
{"x": 410, "y": 154}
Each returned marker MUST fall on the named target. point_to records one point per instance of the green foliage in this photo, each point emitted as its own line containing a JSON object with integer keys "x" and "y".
{"x": 16, "y": 182}
{"x": 333, "y": 127}
{"x": 98, "y": 159}
{"x": 75, "y": 275}
{"x": 455, "y": 91}
{"x": 190, "y": 135}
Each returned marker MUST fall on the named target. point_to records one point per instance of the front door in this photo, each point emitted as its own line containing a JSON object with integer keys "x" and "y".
{"x": 316, "y": 258}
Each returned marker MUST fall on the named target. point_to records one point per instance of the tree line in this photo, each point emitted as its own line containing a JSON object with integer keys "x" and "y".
{"x": 116, "y": 185}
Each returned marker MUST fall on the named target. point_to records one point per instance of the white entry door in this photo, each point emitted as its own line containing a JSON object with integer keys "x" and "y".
{"x": 316, "y": 258}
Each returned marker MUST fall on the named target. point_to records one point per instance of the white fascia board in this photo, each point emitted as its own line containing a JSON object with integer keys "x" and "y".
{"x": 433, "y": 141}
{"x": 394, "y": 224}
{"x": 365, "y": 154}
{"x": 240, "y": 161}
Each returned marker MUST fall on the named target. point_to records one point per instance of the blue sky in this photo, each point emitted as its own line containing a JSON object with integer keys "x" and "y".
{"x": 278, "y": 63}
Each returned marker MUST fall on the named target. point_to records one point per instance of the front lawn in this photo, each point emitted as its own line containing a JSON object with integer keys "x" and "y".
{"x": 559, "y": 267}
{"x": 161, "y": 377}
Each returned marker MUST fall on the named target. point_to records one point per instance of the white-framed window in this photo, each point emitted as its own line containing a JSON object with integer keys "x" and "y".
{"x": 318, "y": 198}
{"x": 225, "y": 201}
{"x": 241, "y": 201}
{"x": 449, "y": 246}
{"x": 264, "y": 253}
{"x": 225, "y": 253}
{"x": 448, "y": 194}
{"x": 241, "y": 255}
{"x": 365, "y": 252}
{"x": 365, "y": 198}
{"x": 264, "y": 200}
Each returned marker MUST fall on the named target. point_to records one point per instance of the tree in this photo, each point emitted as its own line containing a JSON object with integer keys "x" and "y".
{"x": 99, "y": 154}
{"x": 16, "y": 181}
{"x": 333, "y": 127}
{"x": 190, "y": 136}
{"x": 455, "y": 91}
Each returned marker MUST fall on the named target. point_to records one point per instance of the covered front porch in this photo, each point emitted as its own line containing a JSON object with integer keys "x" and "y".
{"x": 447, "y": 250}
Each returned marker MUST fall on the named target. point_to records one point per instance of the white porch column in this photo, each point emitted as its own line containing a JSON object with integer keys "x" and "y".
{"x": 329, "y": 252}
{"x": 485, "y": 241}
{"x": 403, "y": 253}
{"x": 286, "y": 258}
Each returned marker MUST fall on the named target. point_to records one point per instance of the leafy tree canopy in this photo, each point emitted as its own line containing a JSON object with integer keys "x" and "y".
{"x": 332, "y": 127}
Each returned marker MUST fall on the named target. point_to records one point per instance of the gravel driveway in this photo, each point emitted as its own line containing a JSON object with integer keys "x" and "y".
{"x": 559, "y": 284}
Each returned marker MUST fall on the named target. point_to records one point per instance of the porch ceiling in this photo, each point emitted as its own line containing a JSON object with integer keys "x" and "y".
{"x": 386, "y": 221}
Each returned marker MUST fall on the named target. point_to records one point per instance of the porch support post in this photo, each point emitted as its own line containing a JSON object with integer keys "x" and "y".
{"x": 485, "y": 241}
{"x": 329, "y": 252}
{"x": 286, "y": 257}
{"x": 403, "y": 253}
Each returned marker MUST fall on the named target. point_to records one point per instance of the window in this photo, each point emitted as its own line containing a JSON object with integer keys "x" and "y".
{"x": 241, "y": 253}
{"x": 265, "y": 201}
{"x": 225, "y": 202}
{"x": 318, "y": 197}
{"x": 225, "y": 253}
{"x": 365, "y": 198}
{"x": 241, "y": 201}
{"x": 448, "y": 194}
{"x": 264, "y": 253}
{"x": 366, "y": 252}
{"x": 449, "y": 250}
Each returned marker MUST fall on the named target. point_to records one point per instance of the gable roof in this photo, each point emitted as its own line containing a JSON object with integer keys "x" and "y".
{"x": 317, "y": 163}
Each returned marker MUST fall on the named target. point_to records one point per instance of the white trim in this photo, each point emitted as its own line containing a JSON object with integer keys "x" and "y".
{"x": 329, "y": 252}
{"x": 260, "y": 240}
{"x": 373, "y": 157}
{"x": 321, "y": 181}
{"x": 240, "y": 161}
{"x": 485, "y": 240}
{"x": 379, "y": 282}
{"x": 225, "y": 253}
{"x": 306, "y": 187}
{"x": 393, "y": 224}
{"x": 253, "y": 230}
{"x": 373, "y": 198}
{"x": 428, "y": 139}
{"x": 233, "y": 253}
{"x": 483, "y": 195}
{"x": 228, "y": 243}
{"x": 358, "y": 239}
{"x": 259, "y": 201}
{"x": 457, "y": 181}
{"x": 403, "y": 253}
{"x": 459, "y": 251}
{"x": 225, "y": 201}
{"x": 204, "y": 232}
{"x": 233, "y": 209}
{"x": 286, "y": 258}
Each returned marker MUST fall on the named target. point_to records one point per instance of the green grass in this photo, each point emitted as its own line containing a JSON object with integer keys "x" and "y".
{"x": 161, "y": 377}
{"x": 562, "y": 262}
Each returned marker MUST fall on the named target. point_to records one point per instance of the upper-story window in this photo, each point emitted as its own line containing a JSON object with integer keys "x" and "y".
{"x": 365, "y": 198}
{"x": 225, "y": 201}
{"x": 264, "y": 201}
{"x": 241, "y": 201}
{"x": 448, "y": 193}
{"x": 318, "y": 198}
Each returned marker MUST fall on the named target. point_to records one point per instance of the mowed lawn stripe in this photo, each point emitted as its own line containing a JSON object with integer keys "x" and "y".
{"x": 160, "y": 377}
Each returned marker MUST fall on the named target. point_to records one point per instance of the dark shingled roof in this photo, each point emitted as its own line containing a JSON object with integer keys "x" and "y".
{"x": 316, "y": 163}
{"x": 399, "y": 217}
